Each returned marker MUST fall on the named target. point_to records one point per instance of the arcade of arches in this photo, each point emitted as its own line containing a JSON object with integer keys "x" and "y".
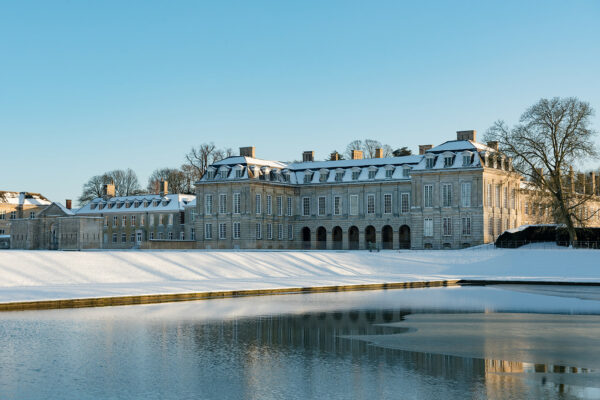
{"x": 338, "y": 239}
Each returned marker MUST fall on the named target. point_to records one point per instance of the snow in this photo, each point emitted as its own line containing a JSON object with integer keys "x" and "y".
{"x": 454, "y": 145}
{"x": 49, "y": 275}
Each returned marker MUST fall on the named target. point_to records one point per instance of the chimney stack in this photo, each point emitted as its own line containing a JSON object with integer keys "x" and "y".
{"x": 308, "y": 156}
{"x": 424, "y": 147}
{"x": 68, "y": 204}
{"x": 357, "y": 154}
{"x": 466, "y": 135}
{"x": 378, "y": 153}
{"x": 249, "y": 151}
{"x": 108, "y": 190}
{"x": 163, "y": 188}
{"x": 335, "y": 156}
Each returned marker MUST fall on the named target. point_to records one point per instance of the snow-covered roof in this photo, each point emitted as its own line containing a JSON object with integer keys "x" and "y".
{"x": 458, "y": 145}
{"x": 141, "y": 203}
{"x": 246, "y": 161}
{"x": 23, "y": 198}
{"x": 365, "y": 162}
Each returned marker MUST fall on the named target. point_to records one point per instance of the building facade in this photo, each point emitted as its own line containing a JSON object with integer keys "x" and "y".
{"x": 458, "y": 194}
{"x": 129, "y": 221}
{"x": 19, "y": 205}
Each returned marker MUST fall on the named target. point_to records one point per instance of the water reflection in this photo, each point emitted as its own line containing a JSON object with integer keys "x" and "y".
{"x": 179, "y": 351}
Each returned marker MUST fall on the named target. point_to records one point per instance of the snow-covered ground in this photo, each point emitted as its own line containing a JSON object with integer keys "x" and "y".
{"x": 52, "y": 275}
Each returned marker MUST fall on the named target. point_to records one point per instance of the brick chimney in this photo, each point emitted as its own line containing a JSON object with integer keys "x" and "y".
{"x": 308, "y": 156}
{"x": 249, "y": 151}
{"x": 378, "y": 153}
{"x": 108, "y": 190}
{"x": 68, "y": 204}
{"x": 163, "y": 188}
{"x": 357, "y": 154}
{"x": 335, "y": 156}
{"x": 424, "y": 147}
{"x": 466, "y": 135}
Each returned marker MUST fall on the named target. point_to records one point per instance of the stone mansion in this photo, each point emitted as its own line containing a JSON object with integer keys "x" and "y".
{"x": 458, "y": 194}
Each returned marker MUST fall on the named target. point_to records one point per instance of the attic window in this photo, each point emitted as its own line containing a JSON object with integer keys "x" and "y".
{"x": 466, "y": 160}
{"x": 429, "y": 162}
{"x": 389, "y": 173}
{"x": 223, "y": 174}
{"x": 93, "y": 206}
{"x": 166, "y": 202}
{"x": 355, "y": 175}
{"x": 146, "y": 203}
{"x": 111, "y": 205}
{"x": 372, "y": 174}
{"x": 406, "y": 172}
{"x": 307, "y": 177}
{"x": 338, "y": 176}
{"x": 155, "y": 203}
{"x": 211, "y": 174}
{"x": 136, "y": 204}
{"x": 127, "y": 204}
{"x": 101, "y": 206}
{"x": 448, "y": 161}
{"x": 323, "y": 176}
{"x": 287, "y": 177}
{"x": 238, "y": 173}
{"x": 119, "y": 205}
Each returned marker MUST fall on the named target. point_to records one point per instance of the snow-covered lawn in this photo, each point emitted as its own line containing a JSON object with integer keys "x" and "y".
{"x": 50, "y": 275}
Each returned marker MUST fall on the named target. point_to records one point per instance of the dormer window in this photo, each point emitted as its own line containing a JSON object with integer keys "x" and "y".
{"x": 355, "y": 175}
{"x": 239, "y": 173}
{"x": 429, "y": 162}
{"x": 136, "y": 204}
{"x": 93, "y": 206}
{"x": 223, "y": 174}
{"x": 307, "y": 177}
{"x": 111, "y": 205}
{"x": 101, "y": 206}
{"x": 324, "y": 174}
{"x": 389, "y": 172}
{"x": 448, "y": 161}
{"x": 155, "y": 203}
{"x": 406, "y": 172}
{"x": 127, "y": 204}
{"x": 372, "y": 173}
{"x": 339, "y": 175}
{"x": 146, "y": 203}
{"x": 119, "y": 205}
{"x": 466, "y": 160}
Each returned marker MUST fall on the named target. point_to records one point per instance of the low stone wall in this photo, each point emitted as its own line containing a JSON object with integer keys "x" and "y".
{"x": 168, "y": 245}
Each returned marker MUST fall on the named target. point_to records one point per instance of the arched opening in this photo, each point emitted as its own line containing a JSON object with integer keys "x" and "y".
{"x": 387, "y": 237}
{"x": 353, "y": 238}
{"x": 404, "y": 236}
{"x": 321, "y": 238}
{"x": 337, "y": 238}
{"x": 370, "y": 237}
{"x": 306, "y": 238}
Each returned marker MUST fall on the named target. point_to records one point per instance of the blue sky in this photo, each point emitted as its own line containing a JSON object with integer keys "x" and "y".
{"x": 90, "y": 86}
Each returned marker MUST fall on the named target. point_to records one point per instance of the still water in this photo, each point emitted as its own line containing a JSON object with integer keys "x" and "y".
{"x": 502, "y": 342}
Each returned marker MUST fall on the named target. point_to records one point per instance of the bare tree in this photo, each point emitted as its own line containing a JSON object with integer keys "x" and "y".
{"x": 551, "y": 137}
{"x": 93, "y": 188}
{"x": 177, "y": 181}
{"x": 388, "y": 151}
{"x": 370, "y": 146}
{"x": 204, "y": 155}
{"x": 125, "y": 181}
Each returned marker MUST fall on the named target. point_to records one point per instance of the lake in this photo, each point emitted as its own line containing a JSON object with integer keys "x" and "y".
{"x": 496, "y": 342}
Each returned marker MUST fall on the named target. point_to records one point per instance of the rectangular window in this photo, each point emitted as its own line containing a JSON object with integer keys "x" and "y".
{"x": 289, "y": 207}
{"x": 428, "y": 227}
{"x": 236, "y": 230}
{"x": 222, "y": 203}
{"x": 160, "y": 219}
{"x": 269, "y": 231}
{"x": 208, "y": 204}
{"x": 170, "y": 235}
{"x": 370, "y": 204}
{"x": 290, "y": 232}
{"x": 465, "y": 194}
{"x": 389, "y": 173}
{"x": 406, "y": 172}
{"x": 222, "y": 231}
{"x": 499, "y": 223}
{"x": 13, "y": 215}
{"x": 428, "y": 196}
{"x": 160, "y": 235}
{"x": 513, "y": 198}
{"x": 280, "y": 232}
{"x": 429, "y": 162}
{"x": 151, "y": 235}
{"x": 306, "y": 206}
{"x": 448, "y": 161}
{"x": 446, "y": 195}
{"x": 466, "y": 226}
{"x": 258, "y": 231}
{"x": 170, "y": 220}
{"x": 405, "y": 202}
{"x": 491, "y": 226}
{"x": 466, "y": 160}
{"x": 258, "y": 204}
{"x": 114, "y": 238}
{"x": 526, "y": 208}
{"x": 497, "y": 195}
{"x": 31, "y": 215}
{"x": 489, "y": 195}
{"x": 372, "y": 174}
{"x": 2, "y": 214}
{"x": 337, "y": 205}
{"x": 269, "y": 204}
{"x": 339, "y": 176}
{"x": 387, "y": 203}
{"x": 208, "y": 231}
{"x": 447, "y": 226}
{"x": 151, "y": 219}
{"x": 123, "y": 238}
{"x": 181, "y": 235}
{"x": 105, "y": 221}
{"x": 236, "y": 203}
{"x": 321, "y": 203}
{"x": 193, "y": 233}
{"x": 124, "y": 220}
{"x": 505, "y": 197}
{"x": 133, "y": 220}
{"x": 279, "y": 205}
{"x": 307, "y": 178}
{"x": 355, "y": 175}
{"x": 142, "y": 220}
{"x": 354, "y": 204}
{"x": 115, "y": 220}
